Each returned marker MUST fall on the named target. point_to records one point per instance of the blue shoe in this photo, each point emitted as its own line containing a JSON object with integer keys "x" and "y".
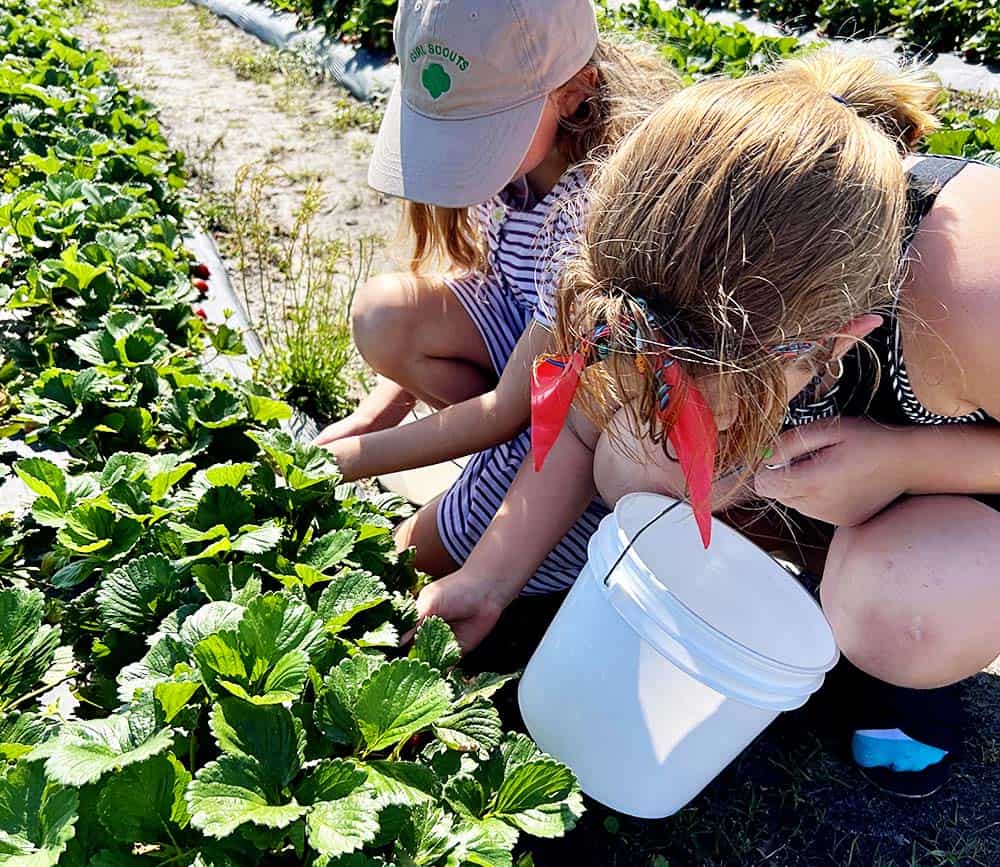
{"x": 899, "y": 764}
{"x": 905, "y": 740}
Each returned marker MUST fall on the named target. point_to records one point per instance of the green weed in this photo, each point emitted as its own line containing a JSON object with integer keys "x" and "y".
{"x": 307, "y": 284}
{"x": 350, "y": 114}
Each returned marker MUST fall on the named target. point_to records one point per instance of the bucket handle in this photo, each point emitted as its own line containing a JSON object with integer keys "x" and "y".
{"x": 666, "y": 510}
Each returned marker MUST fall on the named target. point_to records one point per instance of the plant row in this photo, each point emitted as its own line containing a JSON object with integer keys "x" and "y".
{"x": 698, "y": 47}
{"x": 971, "y": 27}
{"x": 199, "y": 624}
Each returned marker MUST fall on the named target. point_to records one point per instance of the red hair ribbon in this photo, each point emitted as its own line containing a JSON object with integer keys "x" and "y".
{"x": 694, "y": 437}
{"x": 554, "y": 381}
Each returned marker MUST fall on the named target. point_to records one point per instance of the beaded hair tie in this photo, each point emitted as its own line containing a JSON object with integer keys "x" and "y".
{"x": 692, "y": 433}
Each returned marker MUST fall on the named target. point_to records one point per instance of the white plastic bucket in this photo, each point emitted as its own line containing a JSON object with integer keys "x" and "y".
{"x": 648, "y": 685}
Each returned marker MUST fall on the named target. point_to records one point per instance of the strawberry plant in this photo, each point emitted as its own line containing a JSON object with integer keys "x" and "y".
{"x": 199, "y": 624}
{"x": 699, "y": 48}
{"x": 694, "y": 46}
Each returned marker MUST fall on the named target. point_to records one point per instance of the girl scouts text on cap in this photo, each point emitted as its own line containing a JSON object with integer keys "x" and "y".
{"x": 433, "y": 49}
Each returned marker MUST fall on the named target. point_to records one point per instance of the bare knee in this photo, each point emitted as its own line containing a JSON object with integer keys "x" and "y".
{"x": 880, "y": 626}
{"x": 381, "y": 321}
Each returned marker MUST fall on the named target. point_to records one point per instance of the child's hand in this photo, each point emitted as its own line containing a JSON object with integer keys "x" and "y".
{"x": 355, "y": 424}
{"x": 465, "y": 602}
{"x": 347, "y": 452}
{"x": 842, "y": 471}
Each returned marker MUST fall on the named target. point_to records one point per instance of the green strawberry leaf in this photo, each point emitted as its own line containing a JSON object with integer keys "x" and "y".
{"x": 337, "y": 699}
{"x": 37, "y": 818}
{"x": 426, "y": 836}
{"x": 343, "y": 826}
{"x": 27, "y": 646}
{"x": 481, "y": 686}
{"x": 331, "y": 780}
{"x": 288, "y": 674}
{"x": 435, "y": 644}
{"x": 173, "y": 697}
{"x": 486, "y": 843}
{"x": 475, "y": 726}
{"x": 541, "y": 797}
{"x": 227, "y": 475}
{"x": 212, "y": 618}
{"x": 276, "y": 623}
{"x": 257, "y": 540}
{"x": 135, "y": 597}
{"x": 271, "y": 736}
{"x": 398, "y": 700}
{"x": 83, "y": 752}
{"x": 220, "y": 658}
{"x": 223, "y": 505}
{"x": 347, "y": 595}
{"x": 266, "y": 409}
{"x": 404, "y": 783}
{"x": 19, "y": 732}
{"x": 44, "y": 478}
{"x": 383, "y": 635}
{"x": 233, "y": 791}
{"x": 158, "y": 666}
{"x": 465, "y": 796}
{"x": 329, "y": 550}
{"x": 140, "y": 804}
{"x": 91, "y": 528}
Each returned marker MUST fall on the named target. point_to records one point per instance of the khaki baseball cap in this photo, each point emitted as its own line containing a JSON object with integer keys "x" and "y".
{"x": 473, "y": 81}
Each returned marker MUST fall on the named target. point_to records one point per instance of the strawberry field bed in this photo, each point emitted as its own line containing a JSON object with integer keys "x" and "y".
{"x": 198, "y": 621}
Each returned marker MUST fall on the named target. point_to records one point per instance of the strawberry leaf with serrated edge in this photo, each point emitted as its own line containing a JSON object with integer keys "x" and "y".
{"x": 435, "y": 644}
{"x": 398, "y": 700}
{"x": 233, "y": 791}
{"x": 139, "y": 804}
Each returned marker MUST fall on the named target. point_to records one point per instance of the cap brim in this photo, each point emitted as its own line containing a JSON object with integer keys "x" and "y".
{"x": 453, "y": 163}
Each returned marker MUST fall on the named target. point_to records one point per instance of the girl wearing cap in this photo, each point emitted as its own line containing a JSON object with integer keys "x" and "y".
{"x": 836, "y": 302}
{"x": 497, "y": 108}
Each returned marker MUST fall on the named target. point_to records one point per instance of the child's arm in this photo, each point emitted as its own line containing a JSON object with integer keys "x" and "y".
{"x": 537, "y": 512}
{"x": 471, "y": 426}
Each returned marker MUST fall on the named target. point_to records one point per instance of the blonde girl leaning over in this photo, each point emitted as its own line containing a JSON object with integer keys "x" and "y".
{"x": 837, "y": 302}
{"x": 498, "y": 108}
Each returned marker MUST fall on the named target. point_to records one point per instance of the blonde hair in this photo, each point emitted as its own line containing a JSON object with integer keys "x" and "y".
{"x": 746, "y": 214}
{"x": 632, "y": 80}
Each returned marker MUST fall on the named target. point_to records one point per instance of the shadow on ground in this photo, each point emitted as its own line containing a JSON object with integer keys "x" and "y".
{"x": 792, "y": 799}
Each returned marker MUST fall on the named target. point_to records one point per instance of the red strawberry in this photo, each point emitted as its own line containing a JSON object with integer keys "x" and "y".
{"x": 200, "y": 313}
{"x": 202, "y": 288}
{"x": 201, "y": 271}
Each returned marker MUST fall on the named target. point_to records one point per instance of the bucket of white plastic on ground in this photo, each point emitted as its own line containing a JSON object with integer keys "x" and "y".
{"x": 667, "y": 660}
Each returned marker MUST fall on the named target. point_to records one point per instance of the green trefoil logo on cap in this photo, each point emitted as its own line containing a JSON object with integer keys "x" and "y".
{"x": 435, "y": 80}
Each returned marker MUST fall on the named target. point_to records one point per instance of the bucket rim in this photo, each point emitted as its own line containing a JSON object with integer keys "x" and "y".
{"x": 764, "y": 696}
{"x": 632, "y": 555}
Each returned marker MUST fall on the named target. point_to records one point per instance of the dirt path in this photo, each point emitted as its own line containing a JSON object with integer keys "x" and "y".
{"x": 228, "y": 102}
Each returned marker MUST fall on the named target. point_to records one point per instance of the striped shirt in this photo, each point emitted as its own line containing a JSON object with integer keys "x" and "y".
{"x": 529, "y": 242}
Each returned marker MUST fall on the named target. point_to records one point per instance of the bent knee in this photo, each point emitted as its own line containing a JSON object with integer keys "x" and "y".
{"x": 381, "y": 320}
{"x": 878, "y": 624}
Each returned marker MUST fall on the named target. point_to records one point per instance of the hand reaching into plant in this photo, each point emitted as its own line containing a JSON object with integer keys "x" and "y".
{"x": 386, "y": 406}
{"x": 465, "y": 601}
{"x": 538, "y": 509}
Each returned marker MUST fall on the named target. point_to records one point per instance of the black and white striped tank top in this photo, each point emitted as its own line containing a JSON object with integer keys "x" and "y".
{"x": 876, "y": 384}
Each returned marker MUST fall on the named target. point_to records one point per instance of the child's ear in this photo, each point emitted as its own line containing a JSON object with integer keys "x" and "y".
{"x": 572, "y": 94}
{"x": 855, "y": 331}
{"x": 724, "y": 408}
